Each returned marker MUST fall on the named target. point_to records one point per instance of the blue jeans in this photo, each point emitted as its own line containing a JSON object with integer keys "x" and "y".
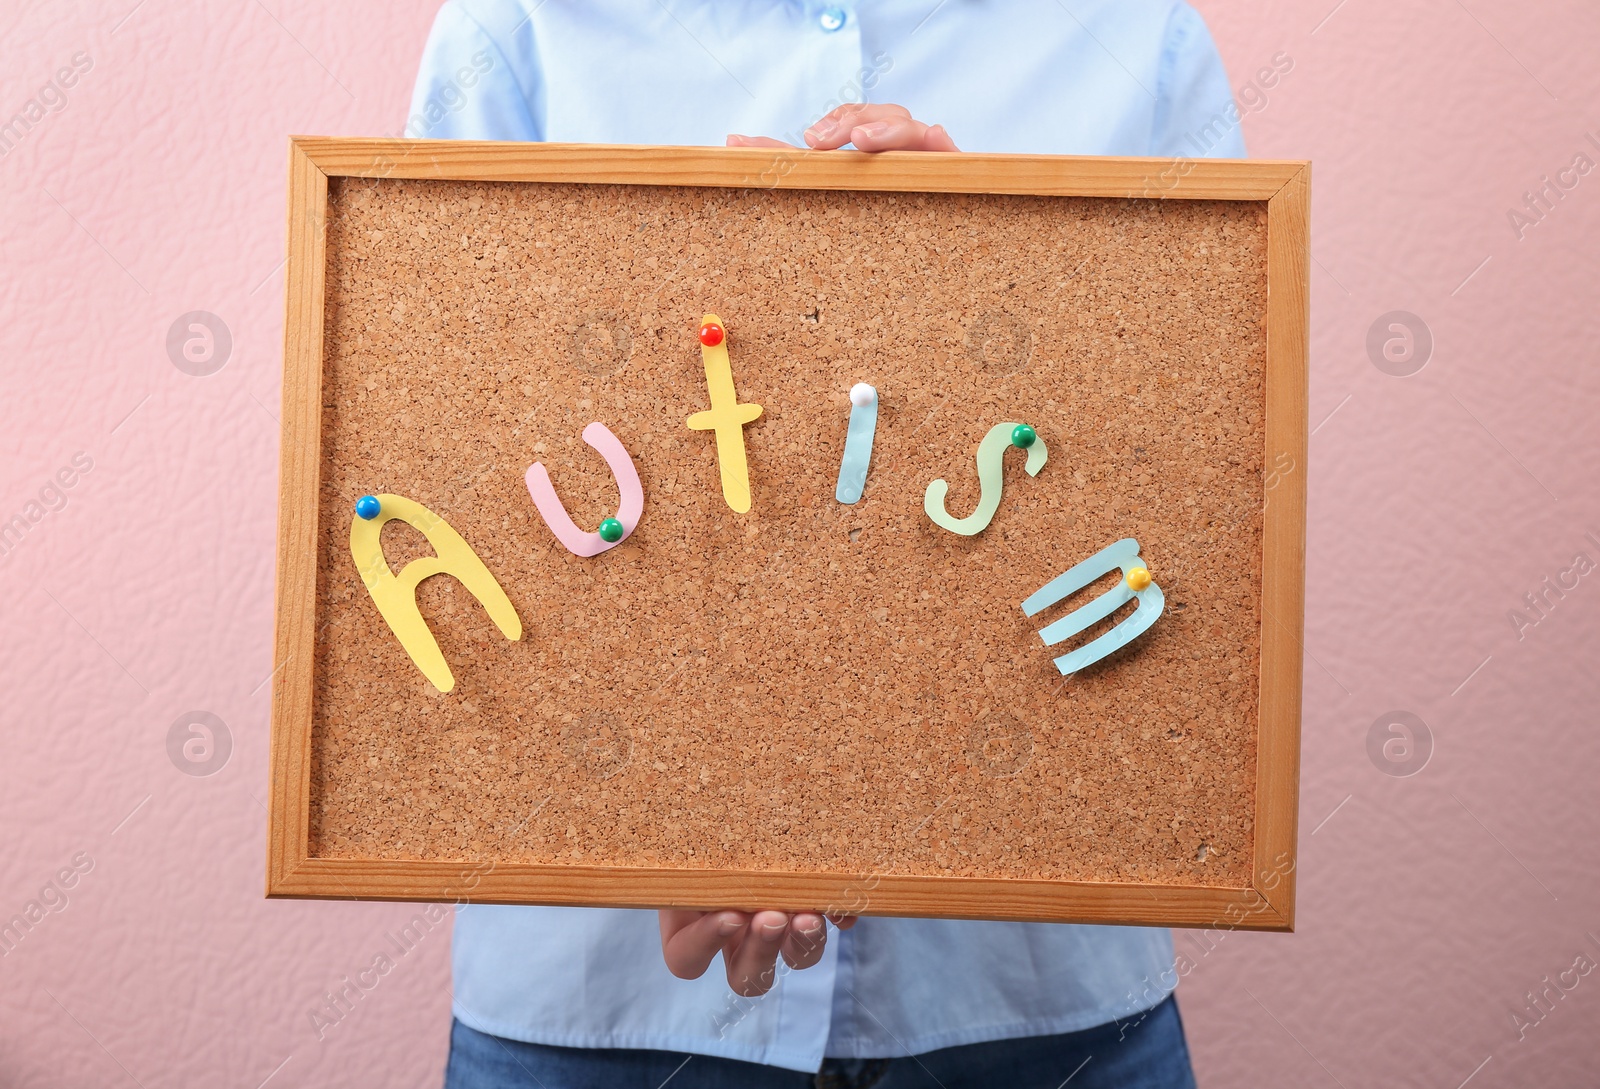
{"x": 1137, "y": 1054}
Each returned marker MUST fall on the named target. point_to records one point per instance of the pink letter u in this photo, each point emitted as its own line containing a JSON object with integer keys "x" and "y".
{"x": 577, "y": 541}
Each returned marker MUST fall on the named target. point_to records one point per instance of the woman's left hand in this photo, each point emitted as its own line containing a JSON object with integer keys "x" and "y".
{"x": 750, "y": 944}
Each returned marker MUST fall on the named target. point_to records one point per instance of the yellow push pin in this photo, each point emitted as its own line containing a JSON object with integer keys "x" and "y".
{"x": 1138, "y": 579}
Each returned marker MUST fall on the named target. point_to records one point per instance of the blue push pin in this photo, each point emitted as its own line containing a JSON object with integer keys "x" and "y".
{"x": 368, "y": 507}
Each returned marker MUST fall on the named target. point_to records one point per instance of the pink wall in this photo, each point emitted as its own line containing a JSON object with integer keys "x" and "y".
{"x": 1430, "y": 904}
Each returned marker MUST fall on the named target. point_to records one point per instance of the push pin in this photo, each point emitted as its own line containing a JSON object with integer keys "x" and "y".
{"x": 1139, "y": 579}
{"x": 368, "y": 507}
{"x": 611, "y": 532}
{"x": 1023, "y": 436}
{"x": 711, "y": 334}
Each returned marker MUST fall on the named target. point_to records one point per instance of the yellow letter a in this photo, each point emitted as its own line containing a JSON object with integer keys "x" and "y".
{"x": 396, "y": 596}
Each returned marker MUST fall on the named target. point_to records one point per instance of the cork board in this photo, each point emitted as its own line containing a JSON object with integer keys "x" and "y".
{"x": 812, "y": 704}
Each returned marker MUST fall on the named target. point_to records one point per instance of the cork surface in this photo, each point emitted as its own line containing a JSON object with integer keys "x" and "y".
{"x": 811, "y": 686}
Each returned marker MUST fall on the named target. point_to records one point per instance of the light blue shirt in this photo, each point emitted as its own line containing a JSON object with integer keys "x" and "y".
{"x": 1081, "y": 77}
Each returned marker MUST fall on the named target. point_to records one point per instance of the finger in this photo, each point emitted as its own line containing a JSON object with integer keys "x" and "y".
{"x": 735, "y": 140}
{"x": 673, "y": 920}
{"x": 805, "y": 941}
{"x": 752, "y": 963}
{"x": 843, "y": 922}
{"x": 936, "y": 139}
{"x": 832, "y": 130}
{"x": 900, "y": 134}
{"x": 842, "y": 117}
{"x": 903, "y": 134}
{"x": 690, "y": 948}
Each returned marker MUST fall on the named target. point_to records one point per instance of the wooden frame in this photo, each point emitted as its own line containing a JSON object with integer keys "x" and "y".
{"x": 1266, "y": 902}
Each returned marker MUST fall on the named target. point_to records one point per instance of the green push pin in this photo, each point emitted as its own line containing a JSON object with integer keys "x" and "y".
{"x": 1023, "y": 436}
{"x": 611, "y": 531}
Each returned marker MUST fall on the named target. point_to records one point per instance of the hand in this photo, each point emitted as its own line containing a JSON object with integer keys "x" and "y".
{"x": 868, "y": 127}
{"x": 749, "y": 943}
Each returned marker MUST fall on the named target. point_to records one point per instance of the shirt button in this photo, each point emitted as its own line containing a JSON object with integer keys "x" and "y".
{"x": 831, "y": 19}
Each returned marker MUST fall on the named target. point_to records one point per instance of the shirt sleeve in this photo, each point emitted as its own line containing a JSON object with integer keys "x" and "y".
{"x": 1196, "y": 115}
{"x": 477, "y": 85}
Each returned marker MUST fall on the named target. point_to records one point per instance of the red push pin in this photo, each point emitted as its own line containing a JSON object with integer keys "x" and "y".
{"x": 711, "y": 334}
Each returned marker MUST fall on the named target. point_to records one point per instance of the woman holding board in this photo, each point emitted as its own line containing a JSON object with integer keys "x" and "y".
{"x": 561, "y": 997}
